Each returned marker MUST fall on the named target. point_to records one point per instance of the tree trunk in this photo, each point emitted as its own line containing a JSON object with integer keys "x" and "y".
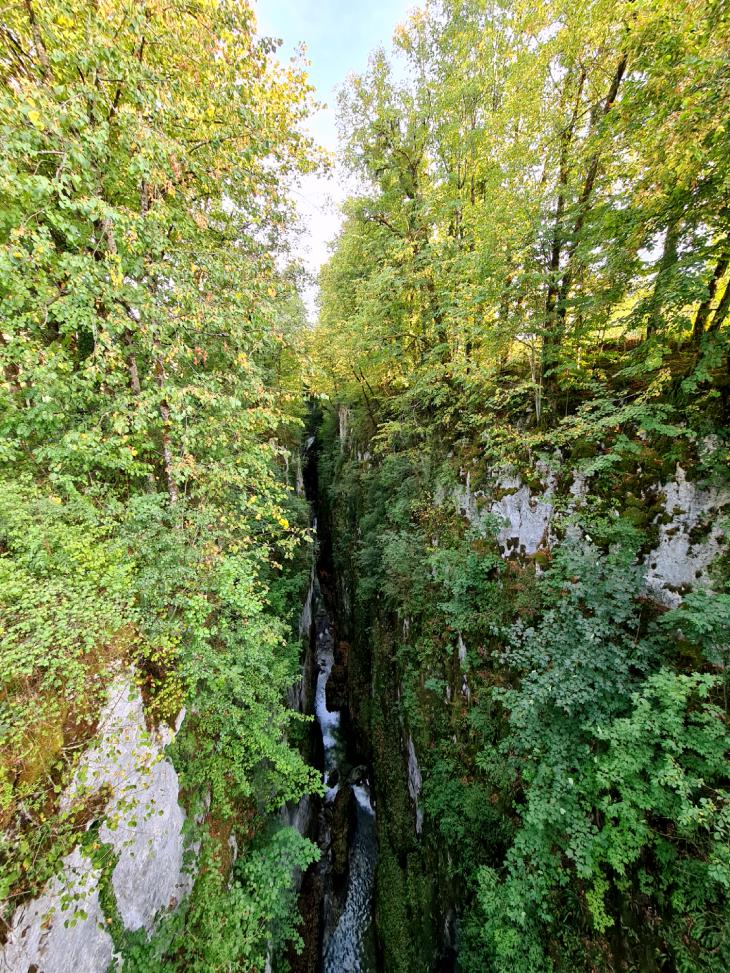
{"x": 668, "y": 260}
{"x": 38, "y": 44}
{"x": 551, "y": 339}
{"x": 583, "y": 207}
{"x": 721, "y": 311}
{"x": 11, "y": 370}
{"x": 703, "y": 312}
{"x": 164, "y": 410}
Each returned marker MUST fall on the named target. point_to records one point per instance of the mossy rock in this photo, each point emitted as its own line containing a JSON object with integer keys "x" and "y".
{"x": 638, "y": 516}
{"x": 582, "y": 449}
{"x": 542, "y": 558}
{"x": 406, "y": 896}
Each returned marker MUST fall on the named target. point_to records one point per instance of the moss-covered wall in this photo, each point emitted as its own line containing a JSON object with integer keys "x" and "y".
{"x": 519, "y": 670}
{"x": 412, "y": 901}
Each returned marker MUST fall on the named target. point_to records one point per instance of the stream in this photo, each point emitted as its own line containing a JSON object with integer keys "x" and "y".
{"x": 347, "y": 945}
{"x": 346, "y": 829}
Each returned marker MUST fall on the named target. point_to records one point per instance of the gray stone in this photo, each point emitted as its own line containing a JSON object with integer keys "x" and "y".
{"x": 462, "y": 652}
{"x": 344, "y": 424}
{"x": 524, "y": 518}
{"x": 415, "y": 782}
{"x": 64, "y": 929}
{"x": 298, "y": 476}
{"x": 142, "y": 822}
{"x": 306, "y": 617}
{"x": 679, "y": 562}
{"x": 143, "y": 819}
{"x": 527, "y": 518}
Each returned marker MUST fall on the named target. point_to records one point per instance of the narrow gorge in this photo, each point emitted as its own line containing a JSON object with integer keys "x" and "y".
{"x": 463, "y": 557}
{"x": 364, "y": 486}
{"x": 336, "y": 896}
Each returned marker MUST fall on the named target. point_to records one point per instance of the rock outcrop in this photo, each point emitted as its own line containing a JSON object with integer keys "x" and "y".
{"x": 691, "y": 532}
{"x": 141, "y": 841}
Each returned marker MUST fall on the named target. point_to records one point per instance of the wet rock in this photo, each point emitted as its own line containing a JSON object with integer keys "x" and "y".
{"x": 358, "y": 775}
{"x": 343, "y": 820}
{"x": 306, "y": 960}
{"x": 337, "y": 682}
{"x": 300, "y": 816}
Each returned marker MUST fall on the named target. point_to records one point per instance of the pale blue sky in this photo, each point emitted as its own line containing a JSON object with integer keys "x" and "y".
{"x": 339, "y": 36}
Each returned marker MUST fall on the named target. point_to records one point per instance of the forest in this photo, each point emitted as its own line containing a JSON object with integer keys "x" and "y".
{"x": 494, "y": 471}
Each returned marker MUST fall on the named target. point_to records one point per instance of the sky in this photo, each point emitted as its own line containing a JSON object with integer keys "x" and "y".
{"x": 339, "y": 36}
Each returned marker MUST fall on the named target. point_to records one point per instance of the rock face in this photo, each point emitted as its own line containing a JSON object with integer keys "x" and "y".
{"x": 342, "y": 824}
{"x": 344, "y": 426}
{"x": 524, "y": 517}
{"x": 415, "y": 782}
{"x": 337, "y": 682}
{"x": 39, "y": 938}
{"x": 142, "y": 829}
{"x": 299, "y": 696}
{"x": 691, "y": 534}
{"x": 689, "y": 541}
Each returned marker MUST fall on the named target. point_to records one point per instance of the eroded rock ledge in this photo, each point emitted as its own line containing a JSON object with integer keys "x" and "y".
{"x": 138, "y": 855}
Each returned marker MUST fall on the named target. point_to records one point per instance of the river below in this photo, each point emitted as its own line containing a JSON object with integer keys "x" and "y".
{"x": 348, "y": 840}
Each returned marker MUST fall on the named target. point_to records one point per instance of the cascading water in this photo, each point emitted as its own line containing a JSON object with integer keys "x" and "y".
{"x": 347, "y": 950}
{"x": 345, "y": 877}
{"x": 348, "y": 941}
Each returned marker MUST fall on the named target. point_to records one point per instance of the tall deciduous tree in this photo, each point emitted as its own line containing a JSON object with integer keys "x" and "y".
{"x": 540, "y": 182}
{"x": 149, "y": 326}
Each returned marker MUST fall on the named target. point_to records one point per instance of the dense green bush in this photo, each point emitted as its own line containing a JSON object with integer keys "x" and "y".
{"x": 576, "y": 800}
{"x": 149, "y": 405}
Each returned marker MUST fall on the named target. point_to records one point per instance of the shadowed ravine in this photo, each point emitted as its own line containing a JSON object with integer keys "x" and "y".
{"x": 346, "y": 940}
{"x": 346, "y": 832}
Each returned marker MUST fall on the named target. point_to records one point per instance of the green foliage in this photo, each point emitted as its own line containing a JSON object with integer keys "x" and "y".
{"x": 230, "y": 921}
{"x": 536, "y": 236}
{"x": 149, "y": 403}
{"x": 703, "y": 620}
{"x": 624, "y": 777}
{"x": 577, "y": 797}
{"x": 238, "y": 668}
{"x": 536, "y": 268}
{"x": 646, "y": 812}
{"x": 460, "y": 805}
{"x": 68, "y": 613}
{"x": 583, "y": 659}
{"x": 469, "y": 574}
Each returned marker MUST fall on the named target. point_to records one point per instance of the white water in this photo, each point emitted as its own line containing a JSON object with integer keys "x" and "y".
{"x": 329, "y": 722}
{"x": 346, "y": 951}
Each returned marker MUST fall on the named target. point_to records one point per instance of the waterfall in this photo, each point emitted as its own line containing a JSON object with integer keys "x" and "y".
{"x": 347, "y": 945}
{"x": 347, "y": 833}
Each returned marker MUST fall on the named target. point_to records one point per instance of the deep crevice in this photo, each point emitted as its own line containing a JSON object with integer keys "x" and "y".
{"x": 337, "y": 893}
